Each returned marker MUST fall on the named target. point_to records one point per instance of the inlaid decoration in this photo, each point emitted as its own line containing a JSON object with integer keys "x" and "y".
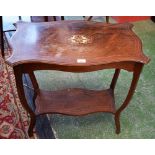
{"x": 80, "y": 39}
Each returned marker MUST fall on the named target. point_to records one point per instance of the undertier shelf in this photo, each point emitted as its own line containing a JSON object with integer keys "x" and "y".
{"x": 75, "y": 101}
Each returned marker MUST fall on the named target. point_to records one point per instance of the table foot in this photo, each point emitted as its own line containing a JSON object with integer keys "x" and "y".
{"x": 117, "y": 124}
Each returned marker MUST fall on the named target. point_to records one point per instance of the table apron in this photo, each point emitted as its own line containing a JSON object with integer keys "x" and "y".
{"x": 129, "y": 66}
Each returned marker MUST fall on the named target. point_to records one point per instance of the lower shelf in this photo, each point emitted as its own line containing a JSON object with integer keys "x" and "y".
{"x": 75, "y": 101}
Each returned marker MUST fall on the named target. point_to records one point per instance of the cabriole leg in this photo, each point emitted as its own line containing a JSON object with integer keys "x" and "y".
{"x": 34, "y": 83}
{"x": 136, "y": 74}
{"x": 18, "y": 71}
{"x": 114, "y": 80}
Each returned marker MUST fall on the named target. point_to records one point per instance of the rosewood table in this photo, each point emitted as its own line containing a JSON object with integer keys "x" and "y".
{"x": 75, "y": 46}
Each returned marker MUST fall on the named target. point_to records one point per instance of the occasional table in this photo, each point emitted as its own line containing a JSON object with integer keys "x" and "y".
{"x": 75, "y": 46}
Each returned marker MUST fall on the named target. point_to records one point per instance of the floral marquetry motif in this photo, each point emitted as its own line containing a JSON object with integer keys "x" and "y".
{"x": 80, "y": 39}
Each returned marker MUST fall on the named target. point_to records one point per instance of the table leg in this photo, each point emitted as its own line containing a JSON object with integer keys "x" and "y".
{"x": 18, "y": 71}
{"x": 136, "y": 75}
{"x": 114, "y": 80}
{"x": 34, "y": 84}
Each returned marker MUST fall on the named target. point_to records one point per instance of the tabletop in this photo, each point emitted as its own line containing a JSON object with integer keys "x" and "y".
{"x": 75, "y": 43}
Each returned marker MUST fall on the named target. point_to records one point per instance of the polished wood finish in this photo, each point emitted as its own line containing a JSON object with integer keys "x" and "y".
{"x": 75, "y": 46}
{"x": 129, "y": 66}
{"x": 75, "y": 101}
{"x": 58, "y": 42}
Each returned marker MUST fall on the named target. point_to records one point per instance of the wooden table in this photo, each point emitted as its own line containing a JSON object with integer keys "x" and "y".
{"x": 75, "y": 46}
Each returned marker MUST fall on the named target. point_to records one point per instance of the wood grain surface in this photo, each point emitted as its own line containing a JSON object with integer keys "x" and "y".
{"x": 75, "y": 101}
{"x": 75, "y": 43}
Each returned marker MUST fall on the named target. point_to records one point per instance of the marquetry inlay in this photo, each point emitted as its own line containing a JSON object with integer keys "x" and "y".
{"x": 80, "y": 39}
